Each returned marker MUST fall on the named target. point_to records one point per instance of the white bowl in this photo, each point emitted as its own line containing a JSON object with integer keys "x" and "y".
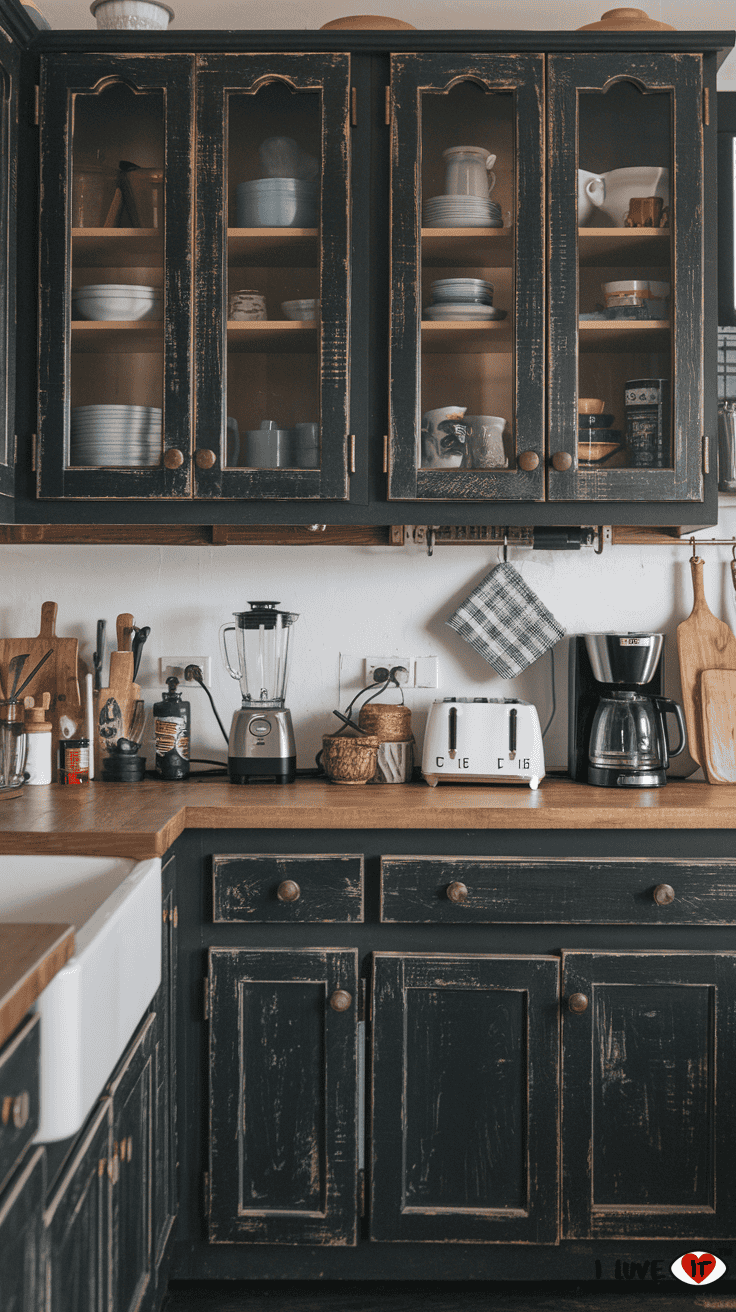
{"x": 300, "y": 309}
{"x": 623, "y": 184}
{"x": 116, "y": 305}
{"x": 131, "y": 14}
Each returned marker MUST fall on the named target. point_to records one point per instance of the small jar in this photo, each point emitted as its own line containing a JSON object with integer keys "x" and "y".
{"x": 13, "y": 745}
{"x": 39, "y": 768}
{"x": 74, "y": 761}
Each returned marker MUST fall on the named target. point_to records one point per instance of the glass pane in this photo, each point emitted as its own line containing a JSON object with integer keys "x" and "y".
{"x": 4, "y": 236}
{"x": 118, "y": 307}
{"x": 626, "y": 361}
{"x": 467, "y": 361}
{"x": 273, "y": 291}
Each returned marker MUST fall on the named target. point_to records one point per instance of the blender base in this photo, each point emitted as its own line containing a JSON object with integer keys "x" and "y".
{"x": 243, "y": 770}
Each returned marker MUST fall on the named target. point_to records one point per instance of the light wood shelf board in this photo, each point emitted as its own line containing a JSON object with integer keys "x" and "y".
{"x": 460, "y": 335}
{"x": 120, "y": 336}
{"x": 490, "y": 248}
{"x": 117, "y": 247}
{"x": 624, "y": 335}
{"x": 273, "y": 335}
{"x": 624, "y": 246}
{"x": 273, "y": 246}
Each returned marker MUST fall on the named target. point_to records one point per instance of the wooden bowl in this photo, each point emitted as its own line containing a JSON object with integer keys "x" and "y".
{"x": 349, "y": 760}
{"x": 594, "y": 453}
{"x": 626, "y": 20}
{"x": 589, "y": 405}
{"x": 365, "y": 23}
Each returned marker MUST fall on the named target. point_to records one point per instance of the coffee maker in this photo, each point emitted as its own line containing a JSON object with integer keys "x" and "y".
{"x": 618, "y": 734}
{"x": 261, "y": 743}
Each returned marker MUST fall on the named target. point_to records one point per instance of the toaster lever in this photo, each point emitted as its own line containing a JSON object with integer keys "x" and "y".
{"x": 512, "y": 733}
{"x": 452, "y": 729}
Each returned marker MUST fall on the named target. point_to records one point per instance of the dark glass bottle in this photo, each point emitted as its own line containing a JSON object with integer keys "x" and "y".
{"x": 171, "y": 723}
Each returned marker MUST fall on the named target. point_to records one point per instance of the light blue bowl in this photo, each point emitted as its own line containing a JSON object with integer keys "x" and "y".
{"x": 281, "y": 203}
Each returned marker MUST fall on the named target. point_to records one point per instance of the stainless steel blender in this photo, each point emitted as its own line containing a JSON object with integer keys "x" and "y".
{"x": 261, "y": 743}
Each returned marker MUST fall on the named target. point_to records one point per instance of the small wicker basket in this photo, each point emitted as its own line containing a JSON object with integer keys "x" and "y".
{"x": 349, "y": 760}
{"x": 390, "y": 724}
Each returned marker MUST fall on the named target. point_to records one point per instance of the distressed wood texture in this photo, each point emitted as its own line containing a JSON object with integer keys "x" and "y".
{"x": 414, "y": 78}
{"x": 649, "y": 1096}
{"x": 283, "y": 1097}
{"x": 21, "y": 1239}
{"x": 680, "y": 78}
{"x": 171, "y": 78}
{"x": 19, "y": 1095}
{"x": 464, "y": 1098}
{"x": 165, "y": 1181}
{"x": 250, "y": 888}
{"x": 224, "y": 81}
{"x": 718, "y": 708}
{"x": 132, "y": 1089}
{"x": 9, "y": 70}
{"x": 557, "y": 890}
{"x": 78, "y": 1224}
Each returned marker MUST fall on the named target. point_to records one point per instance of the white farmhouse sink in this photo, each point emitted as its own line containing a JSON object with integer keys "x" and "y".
{"x": 93, "y": 1006}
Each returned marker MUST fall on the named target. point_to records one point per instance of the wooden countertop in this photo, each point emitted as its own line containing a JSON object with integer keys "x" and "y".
{"x": 140, "y": 820}
{"x": 30, "y": 956}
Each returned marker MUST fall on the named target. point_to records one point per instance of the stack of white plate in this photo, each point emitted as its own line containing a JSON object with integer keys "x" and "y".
{"x": 109, "y": 435}
{"x": 461, "y": 212}
{"x": 475, "y": 291}
{"x": 116, "y": 300}
{"x": 462, "y": 310}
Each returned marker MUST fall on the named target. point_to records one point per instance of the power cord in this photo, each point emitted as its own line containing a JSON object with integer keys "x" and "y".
{"x": 194, "y": 672}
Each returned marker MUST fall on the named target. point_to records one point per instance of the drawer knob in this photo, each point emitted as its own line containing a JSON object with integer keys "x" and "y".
{"x": 21, "y": 1110}
{"x": 663, "y": 895}
{"x": 528, "y": 460}
{"x": 561, "y": 461}
{"x": 173, "y": 458}
{"x": 341, "y": 1000}
{"x": 288, "y": 891}
{"x": 457, "y": 892}
{"x": 577, "y": 1002}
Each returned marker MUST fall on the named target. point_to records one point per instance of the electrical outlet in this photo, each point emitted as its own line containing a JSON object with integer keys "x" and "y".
{"x": 373, "y": 663}
{"x": 174, "y": 666}
{"x": 427, "y": 672}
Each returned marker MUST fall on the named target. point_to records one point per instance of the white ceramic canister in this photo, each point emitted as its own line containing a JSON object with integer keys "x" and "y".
{"x": 38, "y": 766}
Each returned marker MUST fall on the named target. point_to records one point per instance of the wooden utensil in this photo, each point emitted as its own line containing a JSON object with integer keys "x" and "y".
{"x": 125, "y": 629}
{"x": 58, "y": 675}
{"x": 703, "y": 643}
{"x": 718, "y": 705}
{"x": 115, "y": 704}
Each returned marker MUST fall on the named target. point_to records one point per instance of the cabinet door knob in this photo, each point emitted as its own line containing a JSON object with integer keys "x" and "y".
{"x": 288, "y": 891}
{"x": 173, "y": 459}
{"x": 663, "y": 895}
{"x": 577, "y": 1002}
{"x": 21, "y": 1110}
{"x": 561, "y": 461}
{"x": 204, "y": 458}
{"x": 457, "y": 892}
{"x": 528, "y": 460}
{"x": 341, "y": 1000}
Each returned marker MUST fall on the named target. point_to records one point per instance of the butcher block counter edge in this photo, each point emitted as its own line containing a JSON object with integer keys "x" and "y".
{"x": 142, "y": 820}
{"x": 30, "y": 956}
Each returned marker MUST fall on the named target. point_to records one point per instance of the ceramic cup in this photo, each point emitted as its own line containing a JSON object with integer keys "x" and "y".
{"x": 443, "y": 438}
{"x": 484, "y": 441}
{"x": 591, "y": 194}
{"x": 305, "y": 445}
{"x": 267, "y": 447}
{"x": 246, "y": 304}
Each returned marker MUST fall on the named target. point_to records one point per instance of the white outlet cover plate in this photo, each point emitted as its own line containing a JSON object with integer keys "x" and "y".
{"x": 175, "y": 666}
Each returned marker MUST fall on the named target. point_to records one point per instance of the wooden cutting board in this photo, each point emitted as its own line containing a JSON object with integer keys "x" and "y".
{"x": 718, "y": 703}
{"x": 114, "y": 705}
{"x": 59, "y": 676}
{"x": 703, "y": 643}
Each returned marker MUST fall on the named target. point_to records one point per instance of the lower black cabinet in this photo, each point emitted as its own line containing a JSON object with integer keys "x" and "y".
{"x": 132, "y": 1216}
{"x": 165, "y": 1170}
{"x": 21, "y": 1238}
{"x": 78, "y": 1223}
{"x": 283, "y": 1096}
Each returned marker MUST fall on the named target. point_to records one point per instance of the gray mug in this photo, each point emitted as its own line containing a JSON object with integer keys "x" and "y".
{"x": 267, "y": 448}
{"x": 305, "y": 446}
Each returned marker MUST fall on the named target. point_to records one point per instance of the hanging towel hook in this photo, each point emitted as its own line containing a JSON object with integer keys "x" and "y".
{"x": 505, "y": 546}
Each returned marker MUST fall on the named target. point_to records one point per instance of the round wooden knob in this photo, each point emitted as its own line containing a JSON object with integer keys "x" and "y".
{"x": 577, "y": 1002}
{"x": 21, "y": 1110}
{"x": 288, "y": 891}
{"x": 204, "y": 458}
{"x": 528, "y": 460}
{"x": 173, "y": 459}
{"x": 457, "y": 892}
{"x": 561, "y": 461}
{"x": 341, "y": 1000}
{"x": 663, "y": 895}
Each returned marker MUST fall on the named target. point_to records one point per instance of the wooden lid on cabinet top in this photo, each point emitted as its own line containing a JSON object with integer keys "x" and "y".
{"x": 365, "y": 22}
{"x": 626, "y": 20}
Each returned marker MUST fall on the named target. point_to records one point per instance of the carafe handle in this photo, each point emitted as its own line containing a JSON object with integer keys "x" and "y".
{"x": 668, "y": 707}
{"x": 225, "y": 629}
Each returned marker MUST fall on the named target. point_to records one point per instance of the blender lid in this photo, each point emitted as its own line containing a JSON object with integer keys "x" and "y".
{"x": 263, "y": 615}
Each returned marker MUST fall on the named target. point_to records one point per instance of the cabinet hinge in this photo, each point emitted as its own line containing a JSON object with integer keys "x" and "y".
{"x": 35, "y": 106}
{"x": 361, "y": 1095}
{"x": 175, "y": 917}
{"x": 706, "y": 106}
{"x": 33, "y": 452}
{"x": 351, "y": 465}
{"x": 387, "y": 107}
{"x": 354, "y": 107}
{"x": 706, "y": 454}
{"x": 207, "y": 998}
{"x": 385, "y": 453}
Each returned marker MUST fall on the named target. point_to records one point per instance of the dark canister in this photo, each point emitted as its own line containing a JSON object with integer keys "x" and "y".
{"x": 171, "y": 721}
{"x": 647, "y": 402}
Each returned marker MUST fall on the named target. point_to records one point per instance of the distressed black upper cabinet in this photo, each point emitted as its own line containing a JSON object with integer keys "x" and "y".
{"x": 551, "y": 122}
{"x": 99, "y": 110}
{"x": 9, "y": 66}
{"x": 273, "y": 392}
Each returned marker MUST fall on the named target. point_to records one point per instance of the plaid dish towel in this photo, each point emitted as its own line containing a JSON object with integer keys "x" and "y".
{"x": 506, "y": 622}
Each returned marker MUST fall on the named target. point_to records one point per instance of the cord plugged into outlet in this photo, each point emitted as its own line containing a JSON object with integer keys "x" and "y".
{"x": 177, "y": 666}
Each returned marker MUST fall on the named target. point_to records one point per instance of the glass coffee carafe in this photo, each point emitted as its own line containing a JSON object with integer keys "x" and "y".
{"x": 629, "y": 737}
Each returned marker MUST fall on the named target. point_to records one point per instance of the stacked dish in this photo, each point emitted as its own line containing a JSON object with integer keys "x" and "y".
{"x": 461, "y": 212}
{"x": 276, "y": 203}
{"x": 109, "y": 435}
{"x": 597, "y": 440}
{"x": 462, "y": 298}
{"x": 114, "y": 300}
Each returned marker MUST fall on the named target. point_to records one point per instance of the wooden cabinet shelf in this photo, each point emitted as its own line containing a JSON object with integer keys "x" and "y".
{"x": 277, "y": 335}
{"x": 273, "y": 246}
{"x": 466, "y": 335}
{"x": 490, "y": 248}
{"x": 599, "y": 247}
{"x": 116, "y": 248}
{"x": 625, "y": 335}
{"x": 125, "y": 336}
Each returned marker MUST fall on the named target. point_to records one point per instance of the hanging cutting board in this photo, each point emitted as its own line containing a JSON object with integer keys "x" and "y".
{"x": 114, "y": 705}
{"x": 718, "y": 702}
{"x": 59, "y": 676}
{"x": 703, "y": 643}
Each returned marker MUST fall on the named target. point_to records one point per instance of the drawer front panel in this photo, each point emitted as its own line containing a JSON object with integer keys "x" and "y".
{"x": 287, "y": 889}
{"x": 18, "y": 1094}
{"x": 516, "y": 890}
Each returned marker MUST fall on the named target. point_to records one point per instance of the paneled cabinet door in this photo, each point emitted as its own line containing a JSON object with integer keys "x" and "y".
{"x": 78, "y": 1232}
{"x": 9, "y": 66}
{"x": 165, "y": 1169}
{"x": 273, "y": 276}
{"x": 643, "y": 114}
{"x": 465, "y": 1098}
{"x": 283, "y": 1096}
{"x": 21, "y": 1238}
{"x": 115, "y": 360}
{"x": 467, "y": 378}
{"x": 132, "y": 1241}
{"x": 649, "y": 1095}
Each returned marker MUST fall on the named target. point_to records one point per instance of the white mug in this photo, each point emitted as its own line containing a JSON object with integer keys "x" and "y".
{"x": 443, "y": 438}
{"x": 591, "y": 194}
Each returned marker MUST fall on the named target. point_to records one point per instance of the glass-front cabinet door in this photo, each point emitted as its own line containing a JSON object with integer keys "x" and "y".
{"x": 9, "y": 65}
{"x": 115, "y": 395}
{"x": 626, "y": 271}
{"x": 468, "y": 231}
{"x": 273, "y": 276}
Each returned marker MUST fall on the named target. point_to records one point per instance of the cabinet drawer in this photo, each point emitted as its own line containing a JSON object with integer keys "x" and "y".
{"x": 560, "y": 890}
{"x": 287, "y": 889}
{"x": 18, "y": 1094}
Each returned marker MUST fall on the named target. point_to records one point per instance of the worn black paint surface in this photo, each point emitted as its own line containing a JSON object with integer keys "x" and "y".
{"x": 18, "y": 1074}
{"x": 245, "y": 888}
{"x": 165, "y": 1181}
{"x": 9, "y": 71}
{"x": 21, "y": 1237}
{"x": 78, "y": 1224}
{"x": 132, "y": 1230}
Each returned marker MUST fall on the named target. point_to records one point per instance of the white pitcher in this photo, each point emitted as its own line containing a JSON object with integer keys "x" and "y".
{"x": 591, "y": 194}
{"x": 468, "y": 171}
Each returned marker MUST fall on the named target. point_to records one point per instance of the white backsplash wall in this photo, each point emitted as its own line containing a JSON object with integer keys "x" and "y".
{"x": 358, "y": 601}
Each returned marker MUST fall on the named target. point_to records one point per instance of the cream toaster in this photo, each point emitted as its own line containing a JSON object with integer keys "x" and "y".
{"x": 483, "y": 740}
